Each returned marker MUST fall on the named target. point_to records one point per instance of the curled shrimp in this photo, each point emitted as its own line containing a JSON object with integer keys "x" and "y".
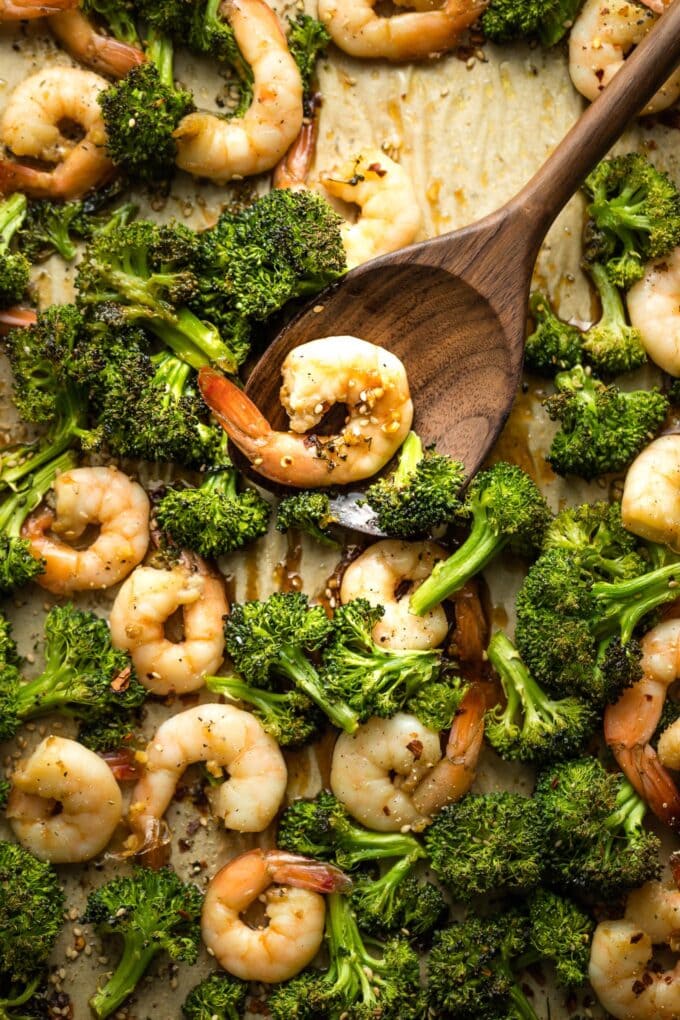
{"x": 226, "y": 738}
{"x": 650, "y": 506}
{"x": 370, "y": 381}
{"x": 84, "y": 43}
{"x": 357, "y": 29}
{"x": 210, "y": 146}
{"x": 101, "y": 496}
{"x": 141, "y": 609}
{"x": 384, "y": 574}
{"x": 627, "y": 983}
{"x": 603, "y": 35}
{"x": 654, "y": 308}
{"x": 29, "y": 10}
{"x": 391, "y": 774}
{"x": 290, "y": 886}
{"x": 65, "y": 803}
{"x": 31, "y": 126}
{"x": 631, "y": 722}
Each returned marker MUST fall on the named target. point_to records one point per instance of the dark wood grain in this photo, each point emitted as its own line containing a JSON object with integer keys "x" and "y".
{"x": 454, "y": 308}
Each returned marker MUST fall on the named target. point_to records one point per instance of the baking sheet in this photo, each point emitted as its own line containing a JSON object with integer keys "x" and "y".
{"x": 470, "y": 128}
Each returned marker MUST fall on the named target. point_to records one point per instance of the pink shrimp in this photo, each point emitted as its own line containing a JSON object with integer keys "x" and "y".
{"x": 101, "y": 52}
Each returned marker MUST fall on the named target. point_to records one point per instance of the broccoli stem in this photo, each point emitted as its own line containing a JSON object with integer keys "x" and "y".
{"x": 232, "y": 687}
{"x": 19, "y": 1000}
{"x": 12, "y": 213}
{"x": 383, "y": 890}
{"x": 29, "y": 458}
{"x": 523, "y": 1010}
{"x": 519, "y": 686}
{"x": 15, "y": 509}
{"x": 295, "y": 666}
{"x": 410, "y": 456}
{"x": 628, "y": 815}
{"x": 127, "y": 975}
{"x": 449, "y": 575}
{"x": 159, "y": 50}
{"x": 613, "y": 314}
{"x": 622, "y": 604}
{"x": 364, "y": 845}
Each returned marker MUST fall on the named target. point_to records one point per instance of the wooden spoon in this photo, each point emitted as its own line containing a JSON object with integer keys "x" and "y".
{"x": 454, "y": 308}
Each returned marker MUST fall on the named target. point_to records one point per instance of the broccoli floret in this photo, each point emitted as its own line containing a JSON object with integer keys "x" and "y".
{"x": 435, "y": 704}
{"x": 560, "y": 931}
{"x": 270, "y": 639}
{"x": 119, "y": 16}
{"x": 290, "y": 716}
{"x": 506, "y": 509}
{"x": 215, "y": 518}
{"x": 146, "y": 272}
{"x": 487, "y": 843}
{"x": 596, "y": 845}
{"x": 635, "y": 210}
{"x": 531, "y": 727}
{"x": 218, "y": 997}
{"x": 18, "y": 566}
{"x": 594, "y": 535}
{"x": 55, "y": 226}
{"x": 210, "y": 33}
{"x": 116, "y": 731}
{"x": 611, "y": 345}
{"x": 603, "y": 428}
{"x": 14, "y": 267}
{"x": 307, "y": 41}
{"x": 420, "y": 495}
{"x": 141, "y": 113}
{"x": 31, "y": 916}
{"x": 357, "y": 983}
{"x": 152, "y": 912}
{"x": 550, "y": 20}
{"x": 554, "y": 345}
{"x": 287, "y": 244}
{"x": 167, "y": 17}
{"x": 394, "y": 904}
{"x": 5, "y": 787}
{"x": 308, "y": 511}
{"x": 84, "y": 675}
{"x": 370, "y": 679}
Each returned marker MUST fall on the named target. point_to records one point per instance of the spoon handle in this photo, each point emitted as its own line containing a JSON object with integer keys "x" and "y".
{"x": 653, "y": 61}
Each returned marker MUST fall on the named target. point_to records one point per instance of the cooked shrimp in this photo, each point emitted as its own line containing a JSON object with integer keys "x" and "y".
{"x": 65, "y": 803}
{"x": 103, "y": 53}
{"x": 384, "y": 575}
{"x": 210, "y": 146}
{"x": 357, "y": 29}
{"x": 654, "y": 308}
{"x": 31, "y": 126}
{"x": 369, "y": 380}
{"x": 16, "y": 318}
{"x": 631, "y": 722}
{"x": 620, "y": 956}
{"x": 290, "y": 887}
{"x": 146, "y": 602}
{"x": 100, "y": 496}
{"x": 650, "y": 506}
{"x": 29, "y": 10}
{"x": 226, "y": 738}
{"x": 390, "y": 216}
{"x": 391, "y": 773}
{"x": 603, "y": 35}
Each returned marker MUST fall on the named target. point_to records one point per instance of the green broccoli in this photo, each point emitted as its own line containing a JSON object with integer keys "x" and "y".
{"x": 594, "y": 535}
{"x": 596, "y": 845}
{"x": 435, "y": 703}
{"x": 357, "y": 983}
{"x": 487, "y": 843}
{"x": 420, "y": 495}
{"x": 217, "y": 997}
{"x": 635, "y": 211}
{"x": 144, "y": 274}
{"x": 286, "y": 245}
{"x": 119, "y": 16}
{"x": 141, "y": 113}
{"x": 550, "y": 20}
{"x": 211, "y": 34}
{"x": 152, "y": 912}
{"x": 5, "y": 786}
{"x": 215, "y": 518}
{"x": 371, "y": 679}
{"x": 115, "y": 732}
{"x": 531, "y": 727}
{"x": 55, "y": 226}
{"x": 397, "y": 902}
{"x": 31, "y": 916}
{"x": 553, "y": 345}
{"x": 84, "y": 675}
{"x": 14, "y": 267}
{"x": 308, "y": 511}
{"x": 307, "y": 41}
{"x": 611, "y": 345}
{"x": 602, "y": 428}
{"x": 506, "y": 509}
{"x": 290, "y": 716}
{"x": 270, "y": 639}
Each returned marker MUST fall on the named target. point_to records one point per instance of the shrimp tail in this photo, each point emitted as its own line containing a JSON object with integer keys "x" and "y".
{"x": 28, "y": 10}
{"x": 236, "y": 413}
{"x": 651, "y": 780}
{"x": 305, "y": 873}
{"x": 292, "y": 171}
{"x": 149, "y": 844}
{"x": 16, "y": 318}
{"x": 17, "y": 177}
